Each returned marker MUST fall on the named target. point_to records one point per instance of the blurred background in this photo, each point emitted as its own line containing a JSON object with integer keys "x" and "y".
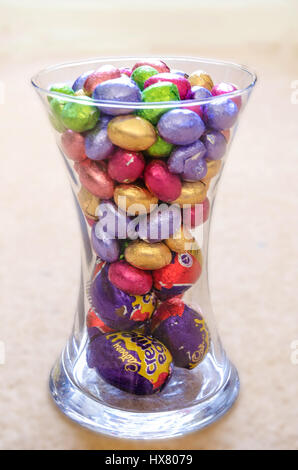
{"x": 253, "y": 260}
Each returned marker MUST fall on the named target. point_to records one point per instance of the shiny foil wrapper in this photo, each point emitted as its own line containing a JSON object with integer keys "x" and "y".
{"x": 148, "y": 256}
{"x": 201, "y": 78}
{"x": 192, "y": 193}
{"x": 131, "y": 132}
{"x": 134, "y": 199}
{"x": 89, "y": 203}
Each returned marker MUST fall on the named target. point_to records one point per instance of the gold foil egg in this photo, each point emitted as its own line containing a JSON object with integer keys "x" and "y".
{"x": 88, "y": 203}
{"x": 197, "y": 253}
{"x": 192, "y": 193}
{"x": 134, "y": 199}
{"x": 181, "y": 241}
{"x": 201, "y": 78}
{"x": 149, "y": 256}
{"x": 213, "y": 167}
{"x": 131, "y": 132}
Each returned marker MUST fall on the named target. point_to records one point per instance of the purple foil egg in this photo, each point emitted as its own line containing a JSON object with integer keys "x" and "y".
{"x": 97, "y": 143}
{"x": 180, "y": 126}
{"x": 117, "y": 89}
{"x": 200, "y": 93}
{"x": 116, "y": 308}
{"x": 188, "y": 161}
{"x": 114, "y": 222}
{"x": 215, "y": 144}
{"x": 160, "y": 224}
{"x": 220, "y": 115}
{"x": 79, "y": 82}
{"x": 107, "y": 248}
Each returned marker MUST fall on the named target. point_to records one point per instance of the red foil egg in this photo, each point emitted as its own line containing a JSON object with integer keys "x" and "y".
{"x": 130, "y": 279}
{"x": 125, "y": 166}
{"x": 196, "y": 214}
{"x": 158, "y": 65}
{"x": 125, "y": 71}
{"x": 94, "y": 177}
{"x": 182, "y": 83}
{"x": 161, "y": 182}
{"x": 73, "y": 145}
{"x": 224, "y": 88}
{"x": 95, "y": 325}
{"x": 106, "y": 72}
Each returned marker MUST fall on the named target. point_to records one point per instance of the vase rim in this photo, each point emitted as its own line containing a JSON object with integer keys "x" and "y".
{"x": 35, "y": 81}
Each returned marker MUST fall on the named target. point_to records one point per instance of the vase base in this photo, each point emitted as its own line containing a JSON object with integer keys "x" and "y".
{"x": 79, "y": 405}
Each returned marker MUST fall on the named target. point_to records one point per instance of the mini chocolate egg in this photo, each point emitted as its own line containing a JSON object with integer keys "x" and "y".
{"x": 197, "y": 214}
{"x": 188, "y": 162}
{"x": 220, "y": 115}
{"x": 158, "y": 65}
{"x": 181, "y": 241}
{"x": 161, "y": 182}
{"x": 57, "y": 104}
{"x": 225, "y": 88}
{"x": 141, "y": 74}
{"x": 130, "y": 361}
{"x": 161, "y": 91}
{"x": 105, "y": 246}
{"x": 60, "y": 88}
{"x": 79, "y": 117}
{"x": 161, "y": 148}
{"x": 105, "y": 72}
{"x": 125, "y": 71}
{"x": 183, "y": 331}
{"x": 213, "y": 168}
{"x": 177, "y": 277}
{"x": 130, "y": 279}
{"x": 95, "y": 326}
{"x": 200, "y": 93}
{"x": 117, "y": 309}
{"x": 78, "y": 84}
{"x": 73, "y": 145}
{"x": 160, "y": 224}
{"x": 97, "y": 143}
{"x": 181, "y": 82}
{"x": 148, "y": 256}
{"x": 134, "y": 199}
{"x": 126, "y": 166}
{"x": 180, "y": 126}
{"x": 201, "y": 78}
{"x": 131, "y": 132}
{"x": 89, "y": 203}
{"x": 113, "y": 221}
{"x": 117, "y": 89}
{"x": 215, "y": 144}
{"x": 94, "y": 177}
{"x": 192, "y": 193}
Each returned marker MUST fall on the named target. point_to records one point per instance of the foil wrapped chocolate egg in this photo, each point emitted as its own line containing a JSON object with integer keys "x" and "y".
{"x": 161, "y": 91}
{"x": 192, "y": 193}
{"x": 141, "y": 74}
{"x": 134, "y": 199}
{"x": 73, "y": 145}
{"x": 160, "y": 148}
{"x": 89, "y": 203}
{"x": 125, "y": 71}
{"x": 113, "y": 221}
{"x": 118, "y": 89}
{"x": 104, "y": 245}
{"x": 148, "y": 256}
{"x": 95, "y": 326}
{"x": 213, "y": 168}
{"x": 130, "y": 361}
{"x": 223, "y": 88}
{"x": 197, "y": 214}
{"x": 131, "y": 132}
{"x": 94, "y": 177}
{"x": 215, "y": 144}
{"x": 160, "y": 224}
{"x": 126, "y": 166}
{"x": 201, "y": 78}
{"x": 160, "y": 181}
{"x": 220, "y": 115}
{"x": 181, "y": 82}
{"x": 181, "y": 241}
{"x": 78, "y": 84}
{"x": 105, "y": 72}
{"x": 130, "y": 279}
{"x": 183, "y": 331}
{"x": 200, "y": 93}
{"x": 177, "y": 277}
{"x": 188, "y": 161}
{"x": 97, "y": 143}
{"x": 158, "y": 65}
{"x": 116, "y": 308}
{"x": 180, "y": 126}
{"x": 79, "y": 117}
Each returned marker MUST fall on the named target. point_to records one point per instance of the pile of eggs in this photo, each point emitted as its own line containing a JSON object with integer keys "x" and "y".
{"x": 129, "y": 161}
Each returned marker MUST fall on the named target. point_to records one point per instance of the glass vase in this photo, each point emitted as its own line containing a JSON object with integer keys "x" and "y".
{"x": 144, "y": 360}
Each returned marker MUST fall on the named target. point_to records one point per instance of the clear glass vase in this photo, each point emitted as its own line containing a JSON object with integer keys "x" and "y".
{"x": 144, "y": 359}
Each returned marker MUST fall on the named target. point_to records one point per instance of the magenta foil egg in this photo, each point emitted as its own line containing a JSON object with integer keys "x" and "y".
{"x": 162, "y": 183}
{"x": 125, "y": 166}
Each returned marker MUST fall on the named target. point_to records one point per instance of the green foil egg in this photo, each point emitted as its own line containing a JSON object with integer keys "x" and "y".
{"x": 79, "y": 117}
{"x": 161, "y": 91}
{"x": 141, "y": 74}
{"x": 160, "y": 148}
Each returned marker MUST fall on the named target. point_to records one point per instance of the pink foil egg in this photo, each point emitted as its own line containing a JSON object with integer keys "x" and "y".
{"x": 224, "y": 88}
{"x": 158, "y": 179}
{"x": 158, "y": 65}
{"x": 196, "y": 109}
{"x": 130, "y": 279}
{"x": 73, "y": 145}
{"x": 125, "y": 71}
{"x": 94, "y": 177}
{"x": 125, "y": 166}
{"x": 182, "y": 83}
{"x": 197, "y": 214}
{"x": 104, "y": 73}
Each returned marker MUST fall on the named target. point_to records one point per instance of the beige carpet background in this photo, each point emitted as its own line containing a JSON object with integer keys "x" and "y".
{"x": 253, "y": 265}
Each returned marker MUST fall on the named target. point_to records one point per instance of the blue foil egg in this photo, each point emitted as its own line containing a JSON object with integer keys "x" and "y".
{"x": 180, "y": 126}
{"x": 220, "y": 115}
{"x": 215, "y": 144}
{"x": 188, "y": 161}
{"x": 117, "y": 89}
{"x": 97, "y": 143}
